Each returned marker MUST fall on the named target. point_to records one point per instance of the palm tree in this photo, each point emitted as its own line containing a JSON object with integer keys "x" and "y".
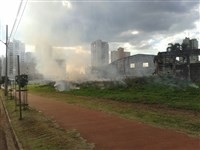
{"x": 173, "y": 47}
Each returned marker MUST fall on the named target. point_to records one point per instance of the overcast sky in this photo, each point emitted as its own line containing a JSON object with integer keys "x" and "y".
{"x": 141, "y": 26}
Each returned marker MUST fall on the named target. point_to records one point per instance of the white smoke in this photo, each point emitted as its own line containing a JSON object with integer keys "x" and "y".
{"x": 58, "y": 58}
{"x": 47, "y": 26}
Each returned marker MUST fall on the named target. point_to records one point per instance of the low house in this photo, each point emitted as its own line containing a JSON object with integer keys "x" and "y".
{"x": 133, "y": 66}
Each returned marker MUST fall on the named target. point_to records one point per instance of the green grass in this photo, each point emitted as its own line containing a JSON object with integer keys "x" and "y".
{"x": 35, "y": 131}
{"x": 188, "y": 98}
{"x": 42, "y": 88}
{"x": 155, "y": 104}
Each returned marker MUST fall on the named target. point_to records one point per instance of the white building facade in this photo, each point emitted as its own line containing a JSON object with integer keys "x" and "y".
{"x": 2, "y": 63}
{"x": 16, "y": 48}
{"x": 99, "y": 53}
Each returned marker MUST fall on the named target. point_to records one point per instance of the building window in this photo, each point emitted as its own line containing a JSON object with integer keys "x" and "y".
{"x": 177, "y": 58}
{"x": 132, "y": 65}
{"x": 145, "y": 64}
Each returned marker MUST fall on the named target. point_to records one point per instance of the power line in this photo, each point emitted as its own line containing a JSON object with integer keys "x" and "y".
{"x": 20, "y": 18}
{"x": 18, "y": 12}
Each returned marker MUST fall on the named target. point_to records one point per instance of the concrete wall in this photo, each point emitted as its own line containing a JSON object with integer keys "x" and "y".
{"x": 135, "y": 66}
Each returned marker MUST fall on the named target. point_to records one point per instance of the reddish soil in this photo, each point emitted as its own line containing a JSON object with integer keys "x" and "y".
{"x": 110, "y": 132}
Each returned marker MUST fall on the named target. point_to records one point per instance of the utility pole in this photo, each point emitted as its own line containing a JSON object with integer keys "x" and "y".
{"x": 19, "y": 90}
{"x": 6, "y": 67}
{"x": 188, "y": 67}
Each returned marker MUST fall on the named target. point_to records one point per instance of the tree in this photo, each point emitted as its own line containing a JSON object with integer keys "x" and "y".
{"x": 2, "y": 80}
{"x": 173, "y": 47}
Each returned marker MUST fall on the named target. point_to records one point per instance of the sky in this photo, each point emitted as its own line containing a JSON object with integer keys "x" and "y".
{"x": 140, "y": 26}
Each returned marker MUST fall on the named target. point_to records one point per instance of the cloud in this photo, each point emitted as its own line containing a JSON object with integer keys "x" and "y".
{"x": 112, "y": 21}
{"x": 88, "y": 21}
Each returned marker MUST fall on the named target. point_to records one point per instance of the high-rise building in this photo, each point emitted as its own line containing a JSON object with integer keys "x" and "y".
{"x": 99, "y": 53}
{"x": 119, "y": 54}
{"x": 2, "y": 63}
{"x": 190, "y": 44}
{"x": 15, "y": 48}
{"x": 193, "y": 44}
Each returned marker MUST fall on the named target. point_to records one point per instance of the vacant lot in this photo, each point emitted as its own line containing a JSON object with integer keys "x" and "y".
{"x": 168, "y": 104}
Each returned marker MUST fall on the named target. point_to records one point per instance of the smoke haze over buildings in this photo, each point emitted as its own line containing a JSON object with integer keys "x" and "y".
{"x": 139, "y": 27}
{"x": 53, "y": 45}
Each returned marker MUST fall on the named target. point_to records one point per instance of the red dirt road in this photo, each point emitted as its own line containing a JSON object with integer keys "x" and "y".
{"x": 110, "y": 132}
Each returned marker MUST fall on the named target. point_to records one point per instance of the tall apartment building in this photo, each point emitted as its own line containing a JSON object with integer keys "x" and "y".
{"x": 99, "y": 54}
{"x": 119, "y": 54}
{"x": 190, "y": 43}
{"x": 15, "y": 48}
{"x": 194, "y": 44}
{"x": 2, "y": 65}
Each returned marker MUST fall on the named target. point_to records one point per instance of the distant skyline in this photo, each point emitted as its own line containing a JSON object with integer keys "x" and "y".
{"x": 145, "y": 26}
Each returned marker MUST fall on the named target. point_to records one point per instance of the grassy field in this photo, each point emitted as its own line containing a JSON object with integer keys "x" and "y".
{"x": 146, "y": 93}
{"x": 173, "y": 95}
{"x": 35, "y": 131}
{"x": 175, "y": 106}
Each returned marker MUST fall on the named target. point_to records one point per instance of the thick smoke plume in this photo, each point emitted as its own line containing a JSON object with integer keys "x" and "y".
{"x": 58, "y": 58}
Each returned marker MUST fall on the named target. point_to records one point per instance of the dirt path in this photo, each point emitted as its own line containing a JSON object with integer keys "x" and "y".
{"x": 110, "y": 132}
